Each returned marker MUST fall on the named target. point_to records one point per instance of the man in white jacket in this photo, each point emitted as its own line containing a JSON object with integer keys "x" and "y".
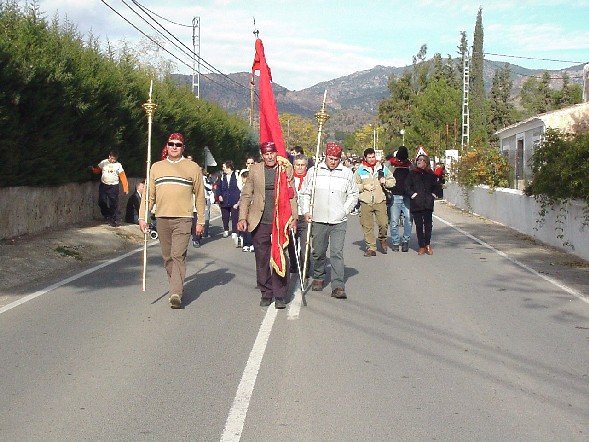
{"x": 336, "y": 194}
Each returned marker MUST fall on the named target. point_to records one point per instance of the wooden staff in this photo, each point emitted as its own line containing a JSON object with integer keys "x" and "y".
{"x": 322, "y": 117}
{"x": 149, "y": 110}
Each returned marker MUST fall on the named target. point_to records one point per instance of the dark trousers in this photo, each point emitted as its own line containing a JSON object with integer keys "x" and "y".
{"x": 108, "y": 200}
{"x": 269, "y": 282}
{"x": 423, "y": 227}
{"x": 229, "y": 212}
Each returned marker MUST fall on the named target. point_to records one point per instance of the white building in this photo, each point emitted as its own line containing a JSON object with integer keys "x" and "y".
{"x": 518, "y": 141}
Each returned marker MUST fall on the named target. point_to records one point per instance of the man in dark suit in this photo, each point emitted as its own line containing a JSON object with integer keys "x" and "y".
{"x": 133, "y": 203}
{"x": 256, "y": 215}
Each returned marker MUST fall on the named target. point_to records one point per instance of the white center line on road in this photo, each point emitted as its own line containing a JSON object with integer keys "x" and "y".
{"x": 238, "y": 412}
{"x": 295, "y": 304}
{"x": 558, "y": 284}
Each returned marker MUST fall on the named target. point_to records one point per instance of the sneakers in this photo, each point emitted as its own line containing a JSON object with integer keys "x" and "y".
{"x": 225, "y": 234}
{"x": 405, "y": 247}
{"x": 395, "y": 247}
{"x": 339, "y": 293}
{"x": 245, "y": 249}
{"x": 317, "y": 285}
{"x": 279, "y": 303}
{"x": 265, "y": 302}
{"x": 196, "y": 243}
{"x": 251, "y": 249}
{"x": 369, "y": 252}
{"x": 175, "y": 301}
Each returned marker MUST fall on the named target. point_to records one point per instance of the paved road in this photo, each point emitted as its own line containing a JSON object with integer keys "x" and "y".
{"x": 463, "y": 345}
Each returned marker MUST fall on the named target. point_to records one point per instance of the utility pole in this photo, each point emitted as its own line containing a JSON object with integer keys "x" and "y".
{"x": 196, "y": 56}
{"x": 465, "y": 111}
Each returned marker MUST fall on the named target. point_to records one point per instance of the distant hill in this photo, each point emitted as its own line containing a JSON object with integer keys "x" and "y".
{"x": 352, "y": 100}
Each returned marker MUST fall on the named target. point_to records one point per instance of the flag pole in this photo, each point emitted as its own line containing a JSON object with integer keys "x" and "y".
{"x": 149, "y": 108}
{"x": 321, "y": 117}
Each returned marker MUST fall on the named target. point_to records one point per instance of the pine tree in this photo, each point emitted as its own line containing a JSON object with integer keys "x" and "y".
{"x": 478, "y": 102}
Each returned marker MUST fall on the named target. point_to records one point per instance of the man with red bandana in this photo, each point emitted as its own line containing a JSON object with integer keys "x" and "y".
{"x": 256, "y": 215}
{"x": 335, "y": 196}
{"x": 370, "y": 177}
{"x": 176, "y": 188}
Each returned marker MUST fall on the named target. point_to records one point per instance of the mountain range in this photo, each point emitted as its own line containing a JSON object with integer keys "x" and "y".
{"x": 352, "y": 100}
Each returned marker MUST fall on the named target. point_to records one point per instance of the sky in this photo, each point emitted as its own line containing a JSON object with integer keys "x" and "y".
{"x": 307, "y": 42}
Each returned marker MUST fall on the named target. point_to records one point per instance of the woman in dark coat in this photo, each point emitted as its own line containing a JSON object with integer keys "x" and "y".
{"x": 228, "y": 194}
{"x": 423, "y": 187}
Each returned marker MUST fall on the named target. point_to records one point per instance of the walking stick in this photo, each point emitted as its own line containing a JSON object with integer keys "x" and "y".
{"x": 149, "y": 110}
{"x": 297, "y": 251}
{"x": 321, "y": 117}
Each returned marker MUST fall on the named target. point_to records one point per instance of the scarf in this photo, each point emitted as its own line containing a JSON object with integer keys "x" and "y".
{"x": 300, "y": 177}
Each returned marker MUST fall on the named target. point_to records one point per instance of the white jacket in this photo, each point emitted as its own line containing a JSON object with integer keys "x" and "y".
{"x": 336, "y": 194}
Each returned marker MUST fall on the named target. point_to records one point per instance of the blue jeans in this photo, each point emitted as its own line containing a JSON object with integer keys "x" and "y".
{"x": 400, "y": 204}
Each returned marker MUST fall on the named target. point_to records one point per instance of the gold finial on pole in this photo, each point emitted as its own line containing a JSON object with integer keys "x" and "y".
{"x": 322, "y": 116}
{"x": 149, "y": 108}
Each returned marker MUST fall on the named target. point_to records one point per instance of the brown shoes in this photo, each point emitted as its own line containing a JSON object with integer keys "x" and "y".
{"x": 427, "y": 249}
{"x": 339, "y": 293}
{"x": 370, "y": 253}
{"x": 383, "y": 246}
{"x": 317, "y": 285}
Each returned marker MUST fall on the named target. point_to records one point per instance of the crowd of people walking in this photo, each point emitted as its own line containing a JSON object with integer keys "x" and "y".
{"x": 393, "y": 193}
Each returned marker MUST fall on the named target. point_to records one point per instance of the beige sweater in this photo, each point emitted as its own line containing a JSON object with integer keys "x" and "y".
{"x": 176, "y": 188}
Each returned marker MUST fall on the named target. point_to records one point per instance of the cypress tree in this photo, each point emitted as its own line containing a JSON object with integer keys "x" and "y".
{"x": 478, "y": 105}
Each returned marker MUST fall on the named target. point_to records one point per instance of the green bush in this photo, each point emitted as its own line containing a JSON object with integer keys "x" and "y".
{"x": 560, "y": 167}
{"x": 64, "y": 104}
{"x": 481, "y": 165}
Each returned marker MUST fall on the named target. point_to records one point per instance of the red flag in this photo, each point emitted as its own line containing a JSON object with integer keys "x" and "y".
{"x": 270, "y": 130}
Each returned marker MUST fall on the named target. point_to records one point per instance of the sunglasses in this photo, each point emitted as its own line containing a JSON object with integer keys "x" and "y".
{"x": 172, "y": 144}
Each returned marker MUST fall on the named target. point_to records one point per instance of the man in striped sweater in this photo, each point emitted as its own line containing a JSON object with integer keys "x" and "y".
{"x": 176, "y": 188}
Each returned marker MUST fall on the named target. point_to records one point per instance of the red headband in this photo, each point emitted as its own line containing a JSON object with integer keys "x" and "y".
{"x": 268, "y": 146}
{"x": 176, "y": 136}
{"x": 333, "y": 150}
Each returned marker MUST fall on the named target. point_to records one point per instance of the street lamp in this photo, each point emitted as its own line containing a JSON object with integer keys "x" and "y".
{"x": 402, "y": 132}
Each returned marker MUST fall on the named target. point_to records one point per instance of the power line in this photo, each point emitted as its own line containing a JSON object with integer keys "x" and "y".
{"x": 163, "y": 18}
{"x": 206, "y": 63}
{"x": 157, "y": 43}
{"x": 534, "y": 58}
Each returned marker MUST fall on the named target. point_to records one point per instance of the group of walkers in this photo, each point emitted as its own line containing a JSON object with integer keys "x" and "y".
{"x": 389, "y": 191}
{"x": 321, "y": 197}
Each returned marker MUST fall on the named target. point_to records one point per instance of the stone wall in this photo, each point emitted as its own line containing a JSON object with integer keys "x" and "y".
{"x": 28, "y": 210}
{"x": 514, "y": 209}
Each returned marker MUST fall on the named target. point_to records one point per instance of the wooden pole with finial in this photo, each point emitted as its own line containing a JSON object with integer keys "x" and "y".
{"x": 321, "y": 117}
{"x": 149, "y": 108}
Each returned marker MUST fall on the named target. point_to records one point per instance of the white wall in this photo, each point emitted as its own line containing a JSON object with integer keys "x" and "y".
{"x": 512, "y": 208}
